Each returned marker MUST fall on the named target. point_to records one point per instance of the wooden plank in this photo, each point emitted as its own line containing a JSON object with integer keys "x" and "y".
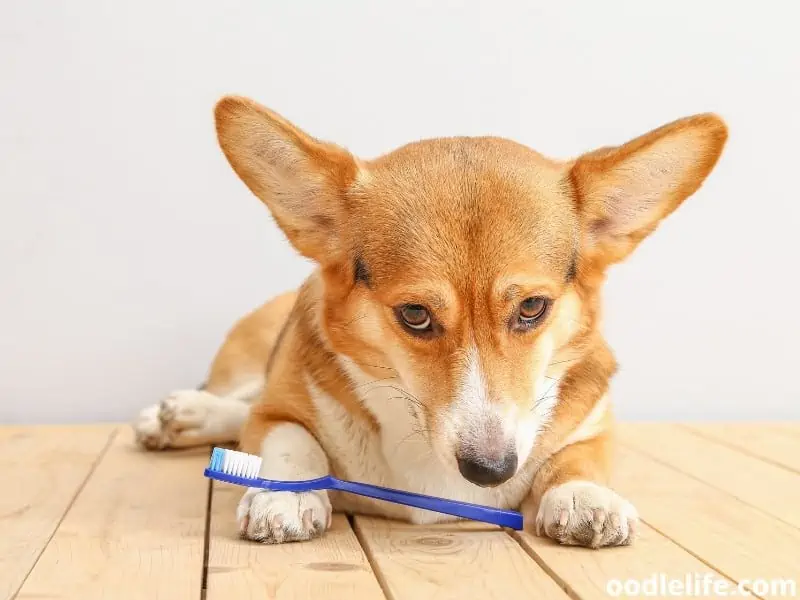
{"x": 586, "y": 573}
{"x": 136, "y": 530}
{"x": 43, "y": 468}
{"x": 767, "y": 487}
{"x": 452, "y": 561}
{"x": 767, "y": 442}
{"x": 333, "y": 566}
{"x": 790, "y": 427}
{"x": 731, "y": 536}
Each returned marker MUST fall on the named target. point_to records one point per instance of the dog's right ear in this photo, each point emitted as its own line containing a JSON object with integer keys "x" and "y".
{"x": 302, "y": 180}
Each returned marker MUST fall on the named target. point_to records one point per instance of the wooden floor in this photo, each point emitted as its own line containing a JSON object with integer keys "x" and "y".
{"x": 85, "y": 515}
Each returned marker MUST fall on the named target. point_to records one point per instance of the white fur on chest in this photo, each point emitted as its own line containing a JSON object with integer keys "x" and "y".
{"x": 399, "y": 455}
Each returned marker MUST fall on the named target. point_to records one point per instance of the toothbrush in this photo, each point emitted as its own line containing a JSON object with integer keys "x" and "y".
{"x": 240, "y": 468}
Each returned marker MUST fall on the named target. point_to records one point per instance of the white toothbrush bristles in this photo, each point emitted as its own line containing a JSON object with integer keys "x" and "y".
{"x": 241, "y": 464}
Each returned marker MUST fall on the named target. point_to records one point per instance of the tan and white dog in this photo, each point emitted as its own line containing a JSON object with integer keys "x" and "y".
{"x": 449, "y": 342}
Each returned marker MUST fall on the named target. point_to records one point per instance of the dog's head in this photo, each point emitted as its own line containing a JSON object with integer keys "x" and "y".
{"x": 470, "y": 267}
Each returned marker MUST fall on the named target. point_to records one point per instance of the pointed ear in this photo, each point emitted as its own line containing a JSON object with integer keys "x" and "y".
{"x": 624, "y": 192}
{"x": 302, "y": 180}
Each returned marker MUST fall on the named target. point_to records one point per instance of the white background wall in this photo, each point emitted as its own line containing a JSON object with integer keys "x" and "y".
{"x": 128, "y": 246}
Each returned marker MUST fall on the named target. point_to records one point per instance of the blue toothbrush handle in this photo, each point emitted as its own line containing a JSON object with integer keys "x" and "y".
{"x": 475, "y": 512}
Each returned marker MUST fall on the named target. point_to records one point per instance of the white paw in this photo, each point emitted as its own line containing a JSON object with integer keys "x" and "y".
{"x": 582, "y": 513}
{"x": 159, "y": 426}
{"x": 277, "y": 517}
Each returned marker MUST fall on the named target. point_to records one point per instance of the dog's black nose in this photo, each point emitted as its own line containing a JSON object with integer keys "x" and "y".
{"x": 485, "y": 471}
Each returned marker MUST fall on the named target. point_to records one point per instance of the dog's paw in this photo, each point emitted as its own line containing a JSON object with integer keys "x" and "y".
{"x": 582, "y": 513}
{"x": 278, "y": 517}
{"x": 160, "y": 426}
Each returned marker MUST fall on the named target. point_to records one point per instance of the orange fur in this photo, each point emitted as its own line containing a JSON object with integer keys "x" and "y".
{"x": 249, "y": 344}
{"x": 467, "y": 228}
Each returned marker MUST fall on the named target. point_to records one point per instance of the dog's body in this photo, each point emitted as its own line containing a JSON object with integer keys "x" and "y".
{"x": 449, "y": 342}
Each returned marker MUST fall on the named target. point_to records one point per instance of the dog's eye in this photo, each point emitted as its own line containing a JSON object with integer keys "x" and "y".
{"x": 415, "y": 316}
{"x": 531, "y": 311}
{"x": 532, "y": 308}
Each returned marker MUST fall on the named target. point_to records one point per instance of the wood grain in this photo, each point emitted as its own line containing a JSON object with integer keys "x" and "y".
{"x": 43, "y": 468}
{"x": 774, "y": 444}
{"x": 333, "y": 566}
{"x": 135, "y": 531}
{"x": 728, "y": 534}
{"x": 772, "y": 489}
{"x": 792, "y": 427}
{"x": 452, "y": 561}
{"x": 586, "y": 573}
{"x": 86, "y": 520}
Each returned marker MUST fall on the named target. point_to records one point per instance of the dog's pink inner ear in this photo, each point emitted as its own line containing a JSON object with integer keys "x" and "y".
{"x": 301, "y": 179}
{"x": 624, "y": 192}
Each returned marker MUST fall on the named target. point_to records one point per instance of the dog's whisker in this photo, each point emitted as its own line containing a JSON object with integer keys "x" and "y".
{"x": 369, "y": 383}
{"x": 419, "y": 406}
{"x": 377, "y": 366}
{"x": 561, "y": 362}
{"x": 412, "y": 401}
{"x": 542, "y": 399}
{"x": 546, "y": 395}
{"x": 401, "y": 390}
{"x": 416, "y": 432}
{"x": 552, "y": 385}
{"x": 364, "y": 316}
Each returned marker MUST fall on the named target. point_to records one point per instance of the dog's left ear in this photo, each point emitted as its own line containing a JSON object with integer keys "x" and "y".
{"x": 624, "y": 192}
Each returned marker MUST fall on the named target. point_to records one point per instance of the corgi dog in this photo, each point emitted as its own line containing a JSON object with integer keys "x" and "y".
{"x": 450, "y": 340}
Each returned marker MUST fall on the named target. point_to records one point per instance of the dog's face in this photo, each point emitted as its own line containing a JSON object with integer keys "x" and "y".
{"x": 467, "y": 251}
{"x": 467, "y": 268}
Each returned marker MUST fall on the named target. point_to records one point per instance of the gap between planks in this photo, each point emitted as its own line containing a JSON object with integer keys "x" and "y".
{"x": 206, "y": 536}
{"x": 585, "y": 573}
{"x": 693, "y": 524}
{"x": 332, "y": 566}
{"x": 767, "y": 442}
{"x": 375, "y": 558}
{"x": 48, "y": 466}
{"x": 766, "y": 487}
{"x": 727, "y": 534}
{"x": 451, "y": 561}
{"x": 135, "y": 531}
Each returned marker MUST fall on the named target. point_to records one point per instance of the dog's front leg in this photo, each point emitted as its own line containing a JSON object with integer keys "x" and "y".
{"x": 572, "y": 503}
{"x": 289, "y": 452}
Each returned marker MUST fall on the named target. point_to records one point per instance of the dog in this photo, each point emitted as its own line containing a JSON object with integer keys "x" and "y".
{"x": 449, "y": 341}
